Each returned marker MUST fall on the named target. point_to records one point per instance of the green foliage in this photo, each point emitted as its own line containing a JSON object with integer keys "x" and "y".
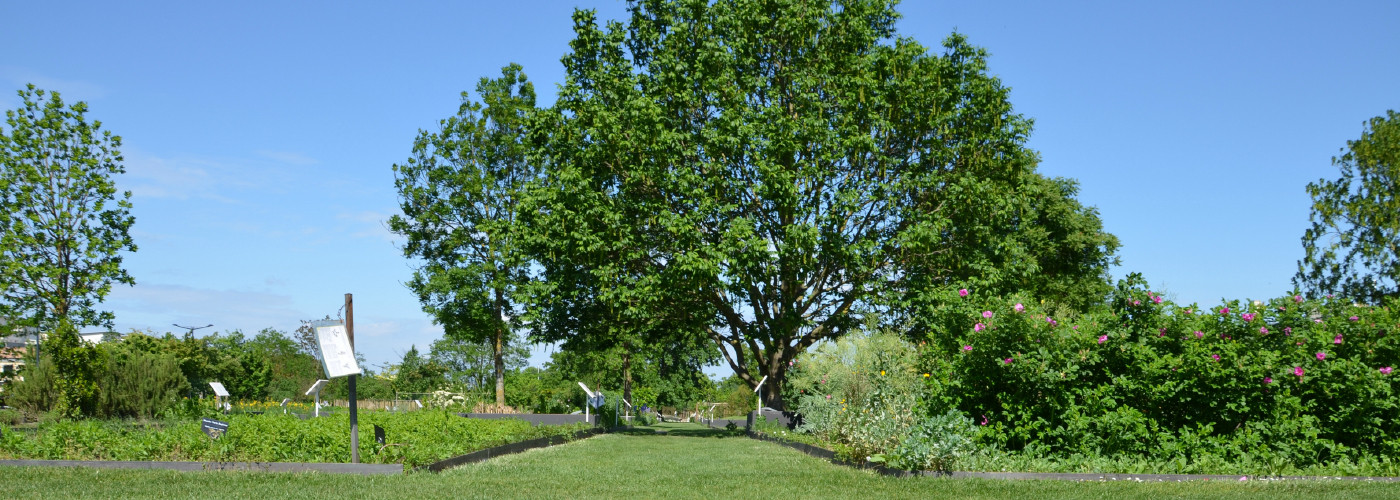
{"x": 417, "y": 374}
{"x": 542, "y": 391}
{"x": 768, "y": 174}
{"x": 1350, "y": 248}
{"x": 460, "y": 194}
{"x": 63, "y": 224}
{"x": 293, "y": 368}
{"x": 1294, "y": 382}
{"x": 75, "y": 365}
{"x": 37, "y": 393}
{"x": 471, "y": 364}
{"x": 416, "y": 438}
{"x": 139, "y": 385}
{"x": 938, "y": 442}
{"x": 862, "y": 395}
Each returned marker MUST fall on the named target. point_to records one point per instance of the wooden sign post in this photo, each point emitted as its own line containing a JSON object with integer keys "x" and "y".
{"x": 336, "y": 343}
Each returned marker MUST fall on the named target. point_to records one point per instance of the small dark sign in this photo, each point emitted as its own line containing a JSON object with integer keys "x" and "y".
{"x": 214, "y": 428}
{"x": 379, "y": 435}
{"x": 597, "y": 401}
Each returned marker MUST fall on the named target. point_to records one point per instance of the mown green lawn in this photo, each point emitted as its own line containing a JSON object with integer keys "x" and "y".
{"x": 688, "y": 463}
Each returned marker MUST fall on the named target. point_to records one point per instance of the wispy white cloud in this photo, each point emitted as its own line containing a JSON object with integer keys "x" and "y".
{"x": 157, "y": 306}
{"x": 155, "y": 177}
{"x": 370, "y": 224}
{"x": 288, "y": 157}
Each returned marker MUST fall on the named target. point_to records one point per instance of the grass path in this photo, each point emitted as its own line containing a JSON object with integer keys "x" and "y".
{"x": 688, "y": 463}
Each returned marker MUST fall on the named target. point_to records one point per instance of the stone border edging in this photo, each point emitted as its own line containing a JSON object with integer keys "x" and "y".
{"x": 507, "y": 449}
{"x": 535, "y": 419}
{"x": 829, "y": 455}
{"x": 329, "y": 468}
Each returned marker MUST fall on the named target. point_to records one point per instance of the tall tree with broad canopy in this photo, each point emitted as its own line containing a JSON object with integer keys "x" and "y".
{"x": 460, "y": 194}
{"x": 1353, "y": 246}
{"x": 771, "y": 173}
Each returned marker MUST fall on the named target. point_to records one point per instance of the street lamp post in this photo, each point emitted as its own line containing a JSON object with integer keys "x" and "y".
{"x": 191, "y": 328}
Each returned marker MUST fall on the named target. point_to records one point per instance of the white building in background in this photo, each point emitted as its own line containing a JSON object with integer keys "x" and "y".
{"x": 11, "y": 360}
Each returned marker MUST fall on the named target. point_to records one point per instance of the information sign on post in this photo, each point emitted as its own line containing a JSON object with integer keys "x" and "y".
{"x": 316, "y": 391}
{"x": 214, "y": 428}
{"x": 337, "y": 356}
{"x": 220, "y": 393}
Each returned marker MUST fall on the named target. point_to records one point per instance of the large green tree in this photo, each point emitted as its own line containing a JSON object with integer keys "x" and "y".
{"x": 63, "y": 224}
{"x": 460, "y": 195}
{"x": 1352, "y": 248}
{"x": 772, "y": 173}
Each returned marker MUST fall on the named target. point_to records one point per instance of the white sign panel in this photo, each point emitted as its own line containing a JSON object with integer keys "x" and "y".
{"x": 336, "y": 354}
{"x": 219, "y": 389}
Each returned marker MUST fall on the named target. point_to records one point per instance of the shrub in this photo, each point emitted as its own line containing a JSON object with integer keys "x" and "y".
{"x": 1301, "y": 381}
{"x": 862, "y": 394}
{"x": 37, "y": 393}
{"x": 138, "y": 384}
{"x": 936, "y": 443}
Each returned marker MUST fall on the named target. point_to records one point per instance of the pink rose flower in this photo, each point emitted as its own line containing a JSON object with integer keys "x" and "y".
{"x": 962, "y": 292}
{"x": 1224, "y": 310}
{"x": 1385, "y": 371}
{"x": 1321, "y": 356}
{"x": 978, "y": 327}
{"x": 1103, "y": 338}
{"x": 1215, "y": 357}
{"x": 987, "y": 314}
{"x": 967, "y": 348}
{"x": 1263, "y": 331}
{"x": 1199, "y": 334}
{"x": 1298, "y": 370}
{"x": 1268, "y": 380}
{"x": 1297, "y": 299}
{"x": 1018, "y": 307}
{"x": 1337, "y": 340}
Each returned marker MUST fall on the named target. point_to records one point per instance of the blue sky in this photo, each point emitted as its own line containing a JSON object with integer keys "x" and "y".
{"x": 259, "y": 136}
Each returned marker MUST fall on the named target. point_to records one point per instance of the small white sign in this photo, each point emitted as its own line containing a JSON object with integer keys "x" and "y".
{"x": 219, "y": 389}
{"x": 315, "y": 389}
{"x": 336, "y": 354}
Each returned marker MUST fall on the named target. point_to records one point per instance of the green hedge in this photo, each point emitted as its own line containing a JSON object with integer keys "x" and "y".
{"x": 1296, "y": 380}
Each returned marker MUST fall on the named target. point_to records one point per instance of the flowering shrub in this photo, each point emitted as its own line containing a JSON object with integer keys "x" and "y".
{"x": 1300, "y": 380}
{"x": 863, "y": 395}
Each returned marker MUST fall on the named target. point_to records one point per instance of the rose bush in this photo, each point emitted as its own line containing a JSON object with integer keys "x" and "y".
{"x": 1295, "y": 380}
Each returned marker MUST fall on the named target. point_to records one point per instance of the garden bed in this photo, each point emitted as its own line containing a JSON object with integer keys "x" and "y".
{"x": 411, "y": 439}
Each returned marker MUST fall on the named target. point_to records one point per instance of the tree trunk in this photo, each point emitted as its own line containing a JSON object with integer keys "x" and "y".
{"x": 500, "y": 359}
{"x": 626, "y": 373}
{"x": 499, "y": 353}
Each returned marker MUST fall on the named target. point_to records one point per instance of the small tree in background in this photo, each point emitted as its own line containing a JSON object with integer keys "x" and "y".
{"x": 460, "y": 193}
{"x": 1353, "y": 246}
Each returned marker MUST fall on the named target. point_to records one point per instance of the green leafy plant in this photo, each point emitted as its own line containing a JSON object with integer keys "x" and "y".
{"x": 1292, "y": 382}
